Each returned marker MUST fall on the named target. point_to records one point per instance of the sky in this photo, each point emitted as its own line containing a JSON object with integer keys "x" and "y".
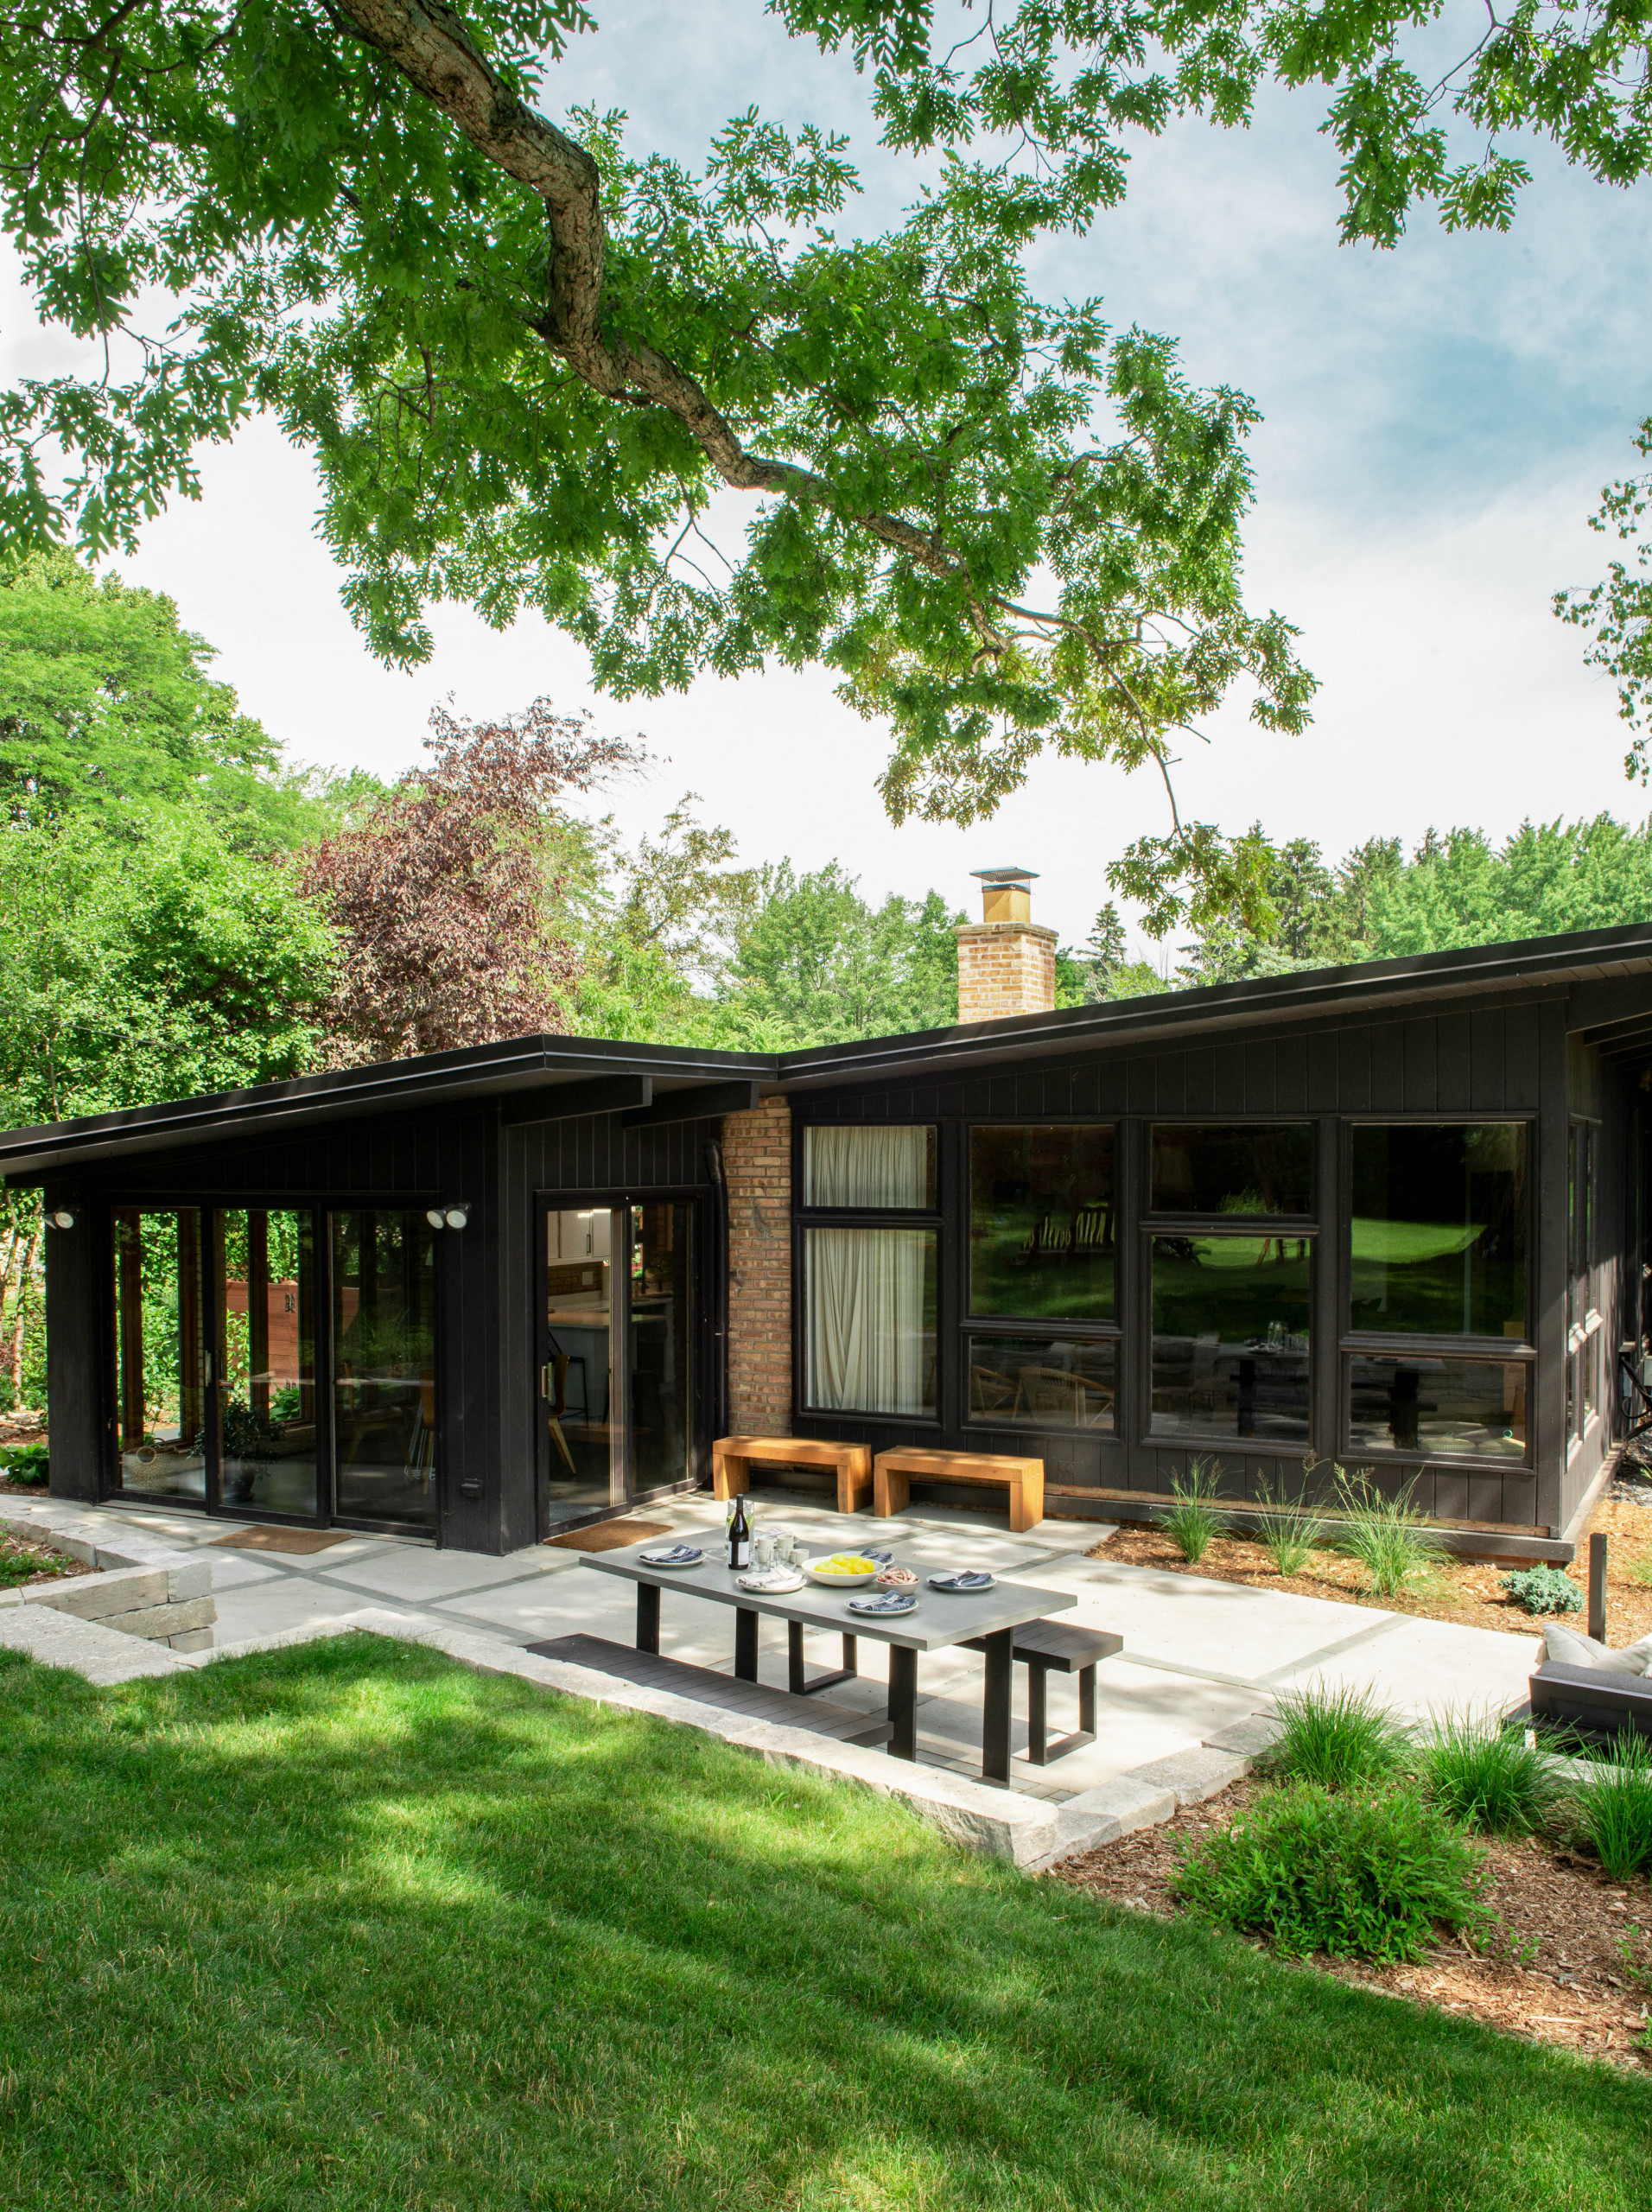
{"x": 1438, "y": 424}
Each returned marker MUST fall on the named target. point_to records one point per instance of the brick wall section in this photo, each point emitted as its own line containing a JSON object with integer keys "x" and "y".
{"x": 1004, "y": 968}
{"x": 757, "y": 1164}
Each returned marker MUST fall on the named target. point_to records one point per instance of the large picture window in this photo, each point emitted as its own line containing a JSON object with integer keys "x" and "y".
{"x": 870, "y": 1302}
{"x": 870, "y": 1166}
{"x": 1237, "y": 1168}
{"x": 1438, "y": 1230}
{"x": 1230, "y": 1323}
{"x": 1041, "y": 1222}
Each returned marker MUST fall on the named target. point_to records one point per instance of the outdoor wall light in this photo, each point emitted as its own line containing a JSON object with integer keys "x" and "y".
{"x": 457, "y": 1217}
{"x": 61, "y": 1219}
{"x": 435, "y": 1216}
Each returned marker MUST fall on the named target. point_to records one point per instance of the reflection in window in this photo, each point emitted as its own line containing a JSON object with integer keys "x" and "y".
{"x": 1041, "y": 1222}
{"x": 870, "y": 1166}
{"x": 1230, "y": 1336}
{"x": 1240, "y": 1169}
{"x": 161, "y": 1439}
{"x": 267, "y": 1404}
{"x": 1460, "y": 1409}
{"x": 385, "y": 1366}
{"x": 871, "y": 1319}
{"x": 1438, "y": 1233}
{"x": 1033, "y": 1382}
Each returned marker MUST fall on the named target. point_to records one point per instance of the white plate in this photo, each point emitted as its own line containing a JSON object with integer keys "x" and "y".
{"x": 887, "y": 1605}
{"x": 771, "y": 1584}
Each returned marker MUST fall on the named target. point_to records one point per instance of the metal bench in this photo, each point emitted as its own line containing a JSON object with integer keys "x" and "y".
{"x": 1591, "y": 1701}
{"x": 1051, "y": 1647}
{"x": 649, "y": 1670}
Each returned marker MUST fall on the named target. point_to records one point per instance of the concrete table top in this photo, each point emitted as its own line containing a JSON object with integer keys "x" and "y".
{"x": 941, "y": 1618}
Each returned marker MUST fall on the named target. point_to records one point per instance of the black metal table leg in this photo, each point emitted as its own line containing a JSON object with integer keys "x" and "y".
{"x": 744, "y": 1645}
{"x": 1000, "y": 1648}
{"x": 797, "y": 1681}
{"x": 648, "y": 1616}
{"x": 1087, "y": 1702}
{"x": 1038, "y": 1713}
{"x": 903, "y": 1702}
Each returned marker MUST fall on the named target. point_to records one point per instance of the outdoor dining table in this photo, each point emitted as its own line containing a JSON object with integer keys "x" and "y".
{"x": 941, "y": 1619}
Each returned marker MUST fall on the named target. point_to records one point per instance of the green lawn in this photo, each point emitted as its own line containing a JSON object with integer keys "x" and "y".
{"x": 348, "y": 1927}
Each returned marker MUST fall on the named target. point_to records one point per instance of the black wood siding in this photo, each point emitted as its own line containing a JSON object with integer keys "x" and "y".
{"x": 1494, "y": 1059}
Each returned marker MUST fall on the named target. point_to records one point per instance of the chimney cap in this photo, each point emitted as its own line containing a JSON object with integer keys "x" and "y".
{"x": 1005, "y": 875}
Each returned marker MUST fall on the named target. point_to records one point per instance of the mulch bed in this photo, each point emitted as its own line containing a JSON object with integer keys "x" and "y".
{"x": 1461, "y": 1589}
{"x": 1573, "y": 1988}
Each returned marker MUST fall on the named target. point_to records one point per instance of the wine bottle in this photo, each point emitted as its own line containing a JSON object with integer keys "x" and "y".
{"x": 739, "y": 1538}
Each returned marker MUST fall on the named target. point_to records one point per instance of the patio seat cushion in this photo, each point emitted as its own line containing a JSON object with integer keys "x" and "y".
{"x": 1565, "y": 1647}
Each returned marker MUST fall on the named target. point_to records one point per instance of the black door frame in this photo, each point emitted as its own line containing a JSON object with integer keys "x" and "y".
{"x": 620, "y": 1202}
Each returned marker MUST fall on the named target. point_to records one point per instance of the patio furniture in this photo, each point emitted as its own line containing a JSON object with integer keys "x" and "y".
{"x": 707, "y": 1686}
{"x": 1073, "y": 1400}
{"x": 732, "y": 1457}
{"x": 894, "y": 1472}
{"x": 1056, "y": 1647}
{"x": 985, "y": 1620}
{"x": 1597, "y": 1703}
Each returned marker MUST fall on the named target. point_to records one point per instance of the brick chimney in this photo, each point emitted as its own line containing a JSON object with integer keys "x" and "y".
{"x": 1006, "y": 963}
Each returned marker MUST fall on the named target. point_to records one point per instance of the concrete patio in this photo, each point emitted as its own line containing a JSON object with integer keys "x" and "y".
{"x": 1198, "y": 1656}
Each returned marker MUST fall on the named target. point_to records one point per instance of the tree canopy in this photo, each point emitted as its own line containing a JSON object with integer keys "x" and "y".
{"x": 528, "y": 359}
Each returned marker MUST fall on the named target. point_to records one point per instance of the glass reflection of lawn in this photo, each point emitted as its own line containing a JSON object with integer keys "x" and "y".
{"x": 1430, "y": 1278}
{"x": 1020, "y": 1262}
{"x": 1235, "y": 1286}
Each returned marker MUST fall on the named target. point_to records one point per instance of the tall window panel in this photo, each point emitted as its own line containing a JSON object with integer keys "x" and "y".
{"x": 385, "y": 1366}
{"x": 161, "y": 1352}
{"x": 1439, "y": 1232}
{"x": 1042, "y": 1223}
{"x": 870, "y": 1335}
{"x": 1230, "y": 1336}
{"x": 266, "y": 1394}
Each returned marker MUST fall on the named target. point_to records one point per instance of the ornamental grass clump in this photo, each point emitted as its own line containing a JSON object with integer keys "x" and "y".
{"x": 1372, "y": 1877}
{"x": 1338, "y": 1738}
{"x": 1388, "y": 1535}
{"x": 1613, "y": 1809}
{"x": 1193, "y": 1520}
{"x": 1542, "y": 1590}
{"x": 1288, "y": 1530}
{"x": 1484, "y": 1773}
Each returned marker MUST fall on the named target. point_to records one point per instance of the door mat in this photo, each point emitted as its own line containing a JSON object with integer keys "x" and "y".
{"x": 282, "y": 1540}
{"x": 611, "y": 1535}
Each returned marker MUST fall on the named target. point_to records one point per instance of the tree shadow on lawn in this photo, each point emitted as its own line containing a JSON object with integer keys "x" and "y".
{"x": 349, "y": 1925}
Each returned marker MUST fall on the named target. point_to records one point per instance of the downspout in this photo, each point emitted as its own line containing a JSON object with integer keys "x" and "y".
{"x": 719, "y": 1286}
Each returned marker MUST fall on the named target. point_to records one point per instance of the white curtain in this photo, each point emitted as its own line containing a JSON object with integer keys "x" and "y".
{"x": 867, "y": 1167}
{"x": 869, "y": 1350}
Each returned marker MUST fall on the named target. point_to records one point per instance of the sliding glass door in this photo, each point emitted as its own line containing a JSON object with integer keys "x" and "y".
{"x": 161, "y": 1357}
{"x": 268, "y": 1455}
{"x": 383, "y": 1367}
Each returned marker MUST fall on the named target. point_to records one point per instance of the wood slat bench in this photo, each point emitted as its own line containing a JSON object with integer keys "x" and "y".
{"x": 894, "y": 1472}
{"x": 1044, "y": 1648}
{"x": 705, "y": 1687}
{"x": 731, "y": 1456}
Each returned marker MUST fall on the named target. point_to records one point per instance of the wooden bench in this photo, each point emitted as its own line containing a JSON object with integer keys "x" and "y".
{"x": 1044, "y": 1648}
{"x": 894, "y": 1472}
{"x": 705, "y": 1687}
{"x": 731, "y": 1456}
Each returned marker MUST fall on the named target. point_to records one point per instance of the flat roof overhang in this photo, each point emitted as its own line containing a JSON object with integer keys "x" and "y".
{"x": 537, "y": 1078}
{"x": 591, "y": 1075}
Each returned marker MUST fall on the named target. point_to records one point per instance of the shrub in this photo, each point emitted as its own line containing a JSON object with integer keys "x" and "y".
{"x": 1364, "y": 1878}
{"x": 1485, "y": 1774}
{"x": 1614, "y": 1809}
{"x": 1542, "y": 1590}
{"x": 25, "y": 1463}
{"x": 1389, "y": 1537}
{"x": 1338, "y": 1739}
{"x": 1193, "y": 1519}
{"x": 1288, "y": 1530}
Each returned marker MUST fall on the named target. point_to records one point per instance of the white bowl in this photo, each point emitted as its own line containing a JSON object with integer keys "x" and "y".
{"x": 813, "y": 1569}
